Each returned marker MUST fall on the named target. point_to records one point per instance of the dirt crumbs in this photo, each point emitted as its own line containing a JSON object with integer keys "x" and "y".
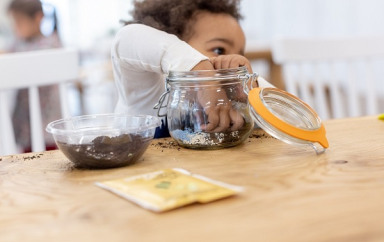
{"x": 339, "y": 162}
{"x": 32, "y": 157}
{"x": 260, "y": 136}
{"x": 106, "y": 152}
{"x": 166, "y": 145}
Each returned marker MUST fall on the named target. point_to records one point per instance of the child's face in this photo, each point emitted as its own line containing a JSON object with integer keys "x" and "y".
{"x": 216, "y": 34}
{"x": 25, "y": 26}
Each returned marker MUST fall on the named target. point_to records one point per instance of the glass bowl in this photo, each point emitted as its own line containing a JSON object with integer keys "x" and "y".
{"x": 104, "y": 140}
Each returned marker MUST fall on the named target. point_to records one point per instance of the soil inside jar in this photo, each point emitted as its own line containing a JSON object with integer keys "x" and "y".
{"x": 187, "y": 132}
{"x": 106, "y": 152}
{"x": 209, "y": 140}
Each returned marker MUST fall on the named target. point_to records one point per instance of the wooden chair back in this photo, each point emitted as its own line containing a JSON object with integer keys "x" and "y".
{"x": 31, "y": 70}
{"x": 338, "y": 77}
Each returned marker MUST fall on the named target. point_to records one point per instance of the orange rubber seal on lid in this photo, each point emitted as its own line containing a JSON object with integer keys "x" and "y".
{"x": 317, "y": 135}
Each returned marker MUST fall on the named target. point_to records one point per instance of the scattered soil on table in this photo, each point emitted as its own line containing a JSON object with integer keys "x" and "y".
{"x": 32, "y": 157}
{"x": 260, "y": 135}
{"x": 340, "y": 162}
{"x": 166, "y": 145}
{"x": 106, "y": 152}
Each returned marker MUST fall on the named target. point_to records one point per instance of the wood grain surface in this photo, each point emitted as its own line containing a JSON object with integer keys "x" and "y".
{"x": 291, "y": 194}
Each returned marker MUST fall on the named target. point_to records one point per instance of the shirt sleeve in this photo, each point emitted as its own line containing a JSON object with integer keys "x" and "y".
{"x": 141, "y": 56}
{"x": 142, "y": 48}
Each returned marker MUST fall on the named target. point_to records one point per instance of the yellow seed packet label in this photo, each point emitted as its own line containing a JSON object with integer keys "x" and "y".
{"x": 168, "y": 189}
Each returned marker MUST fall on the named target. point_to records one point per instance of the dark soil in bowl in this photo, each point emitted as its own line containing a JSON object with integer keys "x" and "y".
{"x": 106, "y": 152}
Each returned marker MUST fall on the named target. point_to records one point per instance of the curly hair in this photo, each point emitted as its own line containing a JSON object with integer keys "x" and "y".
{"x": 174, "y": 16}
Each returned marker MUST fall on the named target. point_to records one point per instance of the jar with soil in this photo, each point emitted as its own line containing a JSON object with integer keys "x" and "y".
{"x": 218, "y": 108}
{"x": 208, "y": 109}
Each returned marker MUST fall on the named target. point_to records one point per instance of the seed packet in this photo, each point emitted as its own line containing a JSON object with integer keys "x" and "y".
{"x": 168, "y": 189}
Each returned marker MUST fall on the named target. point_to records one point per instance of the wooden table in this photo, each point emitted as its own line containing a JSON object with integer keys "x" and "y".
{"x": 291, "y": 193}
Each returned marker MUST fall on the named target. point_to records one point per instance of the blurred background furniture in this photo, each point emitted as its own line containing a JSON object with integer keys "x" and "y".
{"x": 274, "y": 71}
{"x": 31, "y": 70}
{"x": 338, "y": 77}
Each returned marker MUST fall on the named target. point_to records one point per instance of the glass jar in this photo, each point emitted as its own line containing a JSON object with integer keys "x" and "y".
{"x": 197, "y": 99}
{"x": 193, "y": 95}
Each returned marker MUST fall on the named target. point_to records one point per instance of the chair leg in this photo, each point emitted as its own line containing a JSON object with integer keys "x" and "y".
{"x": 7, "y": 141}
{"x": 37, "y": 137}
{"x": 65, "y": 113}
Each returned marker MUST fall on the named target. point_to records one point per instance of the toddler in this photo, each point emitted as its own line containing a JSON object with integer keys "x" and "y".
{"x": 178, "y": 35}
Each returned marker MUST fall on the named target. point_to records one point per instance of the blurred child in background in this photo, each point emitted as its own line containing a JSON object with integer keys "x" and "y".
{"x": 26, "y": 16}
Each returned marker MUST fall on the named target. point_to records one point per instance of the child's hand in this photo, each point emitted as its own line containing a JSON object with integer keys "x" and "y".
{"x": 230, "y": 61}
{"x": 217, "y": 107}
{"x": 221, "y": 115}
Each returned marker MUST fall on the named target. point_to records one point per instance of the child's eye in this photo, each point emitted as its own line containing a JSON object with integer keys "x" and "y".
{"x": 219, "y": 51}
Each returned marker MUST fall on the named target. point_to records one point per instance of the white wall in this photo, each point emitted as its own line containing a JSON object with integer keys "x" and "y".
{"x": 84, "y": 22}
{"x": 267, "y": 19}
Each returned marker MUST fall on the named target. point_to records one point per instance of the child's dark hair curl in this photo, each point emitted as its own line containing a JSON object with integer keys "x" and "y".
{"x": 174, "y": 16}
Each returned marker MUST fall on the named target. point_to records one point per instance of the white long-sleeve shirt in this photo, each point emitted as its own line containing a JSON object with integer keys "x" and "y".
{"x": 141, "y": 56}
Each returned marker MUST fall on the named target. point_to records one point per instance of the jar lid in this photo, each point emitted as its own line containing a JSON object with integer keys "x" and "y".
{"x": 287, "y": 118}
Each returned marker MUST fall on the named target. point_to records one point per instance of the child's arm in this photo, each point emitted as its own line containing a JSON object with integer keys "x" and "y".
{"x": 141, "y": 55}
{"x": 143, "y": 48}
